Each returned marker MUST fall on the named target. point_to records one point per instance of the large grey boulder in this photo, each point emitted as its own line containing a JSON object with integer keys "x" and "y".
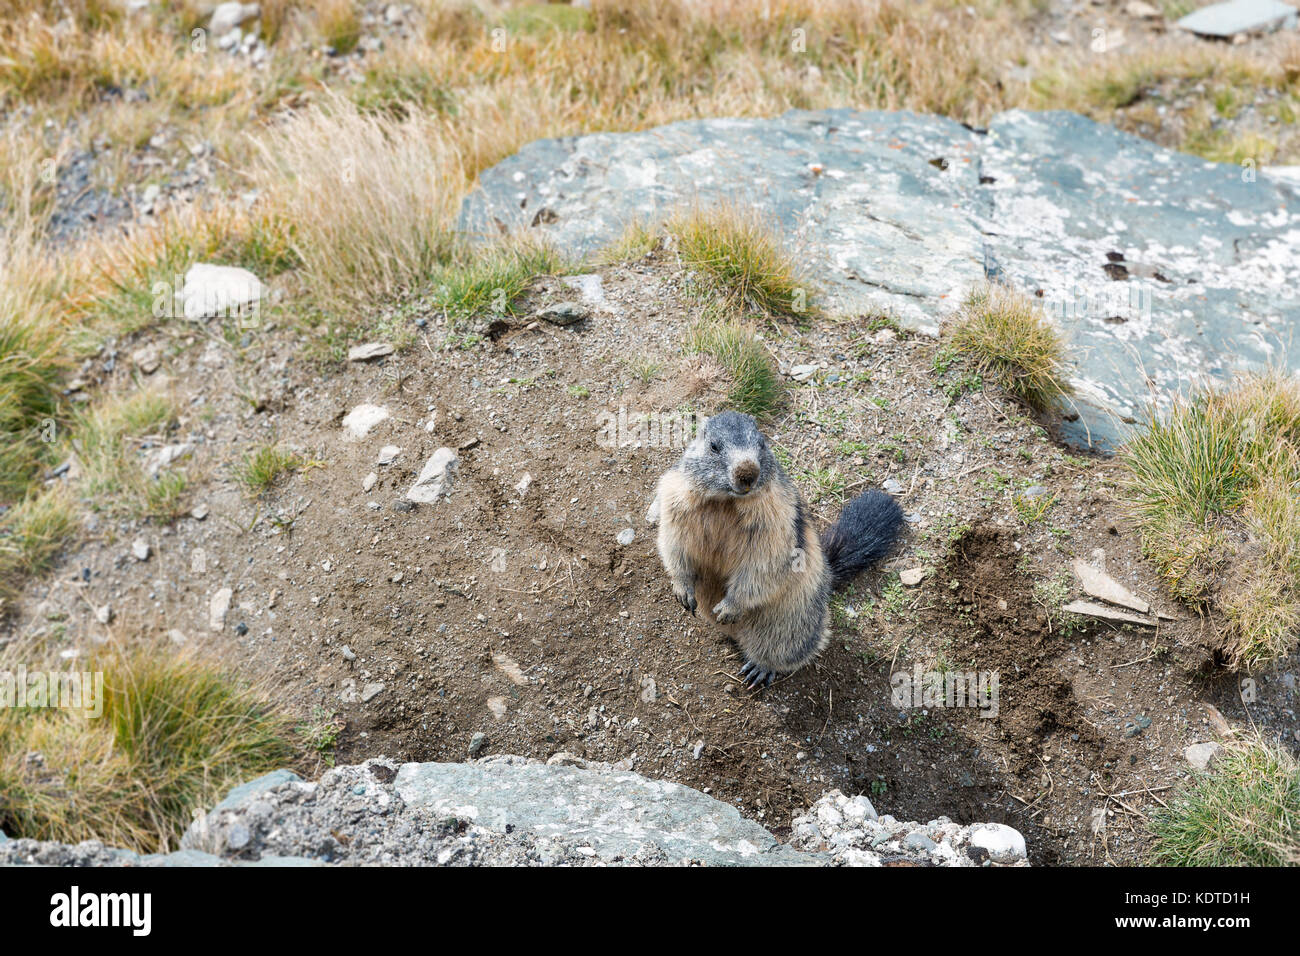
{"x": 617, "y": 813}
{"x": 1160, "y": 267}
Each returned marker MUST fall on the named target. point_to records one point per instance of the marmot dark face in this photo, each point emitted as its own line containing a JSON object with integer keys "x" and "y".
{"x": 729, "y": 457}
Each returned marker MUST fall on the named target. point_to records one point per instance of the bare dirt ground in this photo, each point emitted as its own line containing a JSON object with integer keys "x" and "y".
{"x": 517, "y": 614}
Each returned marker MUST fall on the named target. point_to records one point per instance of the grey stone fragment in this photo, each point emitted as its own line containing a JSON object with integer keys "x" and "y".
{"x": 616, "y": 813}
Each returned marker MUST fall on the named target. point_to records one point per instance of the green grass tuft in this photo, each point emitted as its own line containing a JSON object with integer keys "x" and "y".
{"x": 739, "y": 259}
{"x": 491, "y": 280}
{"x": 260, "y": 470}
{"x": 31, "y": 534}
{"x": 1244, "y": 812}
{"x": 1007, "y": 338}
{"x": 756, "y": 385}
{"x": 1214, "y": 485}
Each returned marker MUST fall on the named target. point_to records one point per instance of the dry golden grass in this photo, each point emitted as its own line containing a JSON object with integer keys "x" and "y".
{"x": 175, "y": 734}
{"x": 370, "y": 200}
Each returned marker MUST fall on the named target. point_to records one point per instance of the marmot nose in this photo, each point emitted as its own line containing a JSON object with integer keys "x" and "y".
{"x": 744, "y": 474}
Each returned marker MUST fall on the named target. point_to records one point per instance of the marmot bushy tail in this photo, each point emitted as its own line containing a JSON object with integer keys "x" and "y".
{"x": 736, "y": 542}
{"x": 863, "y": 534}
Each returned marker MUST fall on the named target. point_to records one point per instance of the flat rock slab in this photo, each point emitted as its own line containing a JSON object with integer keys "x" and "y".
{"x": 1239, "y": 16}
{"x": 617, "y": 812}
{"x": 1160, "y": 267}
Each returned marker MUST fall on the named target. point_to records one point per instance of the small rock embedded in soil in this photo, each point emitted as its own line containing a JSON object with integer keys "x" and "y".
{"x": 626, "y": 536}
{"x": 217, "y": 609}
{"x": 1003, "y": 843}
{"x": 801, "y": 373}
{"x": 388, "y": 454}
{"x": 370, "y": 691}
{"x": 104, "y": 614}
{"x": 892, "y": 486}
{"x": 369, "y": 481}
{"x": 477, "y": 743}
{"x": 1101, "y": 585}
{"x": 199, "y": 512}
{"x": 147, "y": 359}
{"x": 436, "y": 477}
{"x": 368, "y": 351}
{"x": 1201, "y": 756}
{"x": 140, "y": 548}
{"x": 912, "y": 576}
{"x": 564, "y": 313}
{"x": 348, "y": 653}
{"x": 212, "y": 290}
{"x": 358, "y": 422}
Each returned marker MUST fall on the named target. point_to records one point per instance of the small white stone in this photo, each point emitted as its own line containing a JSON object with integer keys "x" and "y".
{"x": 1201, "y": 756}
{"x": 626, "y": 536}
{"x": 358, "y": 422}
{"x": 369, "y": 350}
{"x": 436, "y": 477}
{"x": 369, "y": 481}
{"x": 218, "y": 607}
{"x": 1005, "y": 844}
{"x": 388, "y": 454}
{"x": 140, "y": 548}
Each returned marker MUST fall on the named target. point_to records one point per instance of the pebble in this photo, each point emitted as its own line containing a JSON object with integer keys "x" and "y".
{"x": 1201, "y": 756}
{"x": 371, "y": 691}
{"x": 349, "y": 654}
{"x": 218, "y": 607}
{"x": 477, "y": 743}
{"x": 626, "y": 536}
{"x": 140, "y": 548}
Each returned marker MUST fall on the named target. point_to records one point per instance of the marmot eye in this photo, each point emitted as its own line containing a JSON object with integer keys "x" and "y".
{"x": 716, "y": 447}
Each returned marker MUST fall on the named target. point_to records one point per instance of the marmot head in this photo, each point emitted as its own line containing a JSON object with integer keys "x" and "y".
{"x": 729, "y": 457}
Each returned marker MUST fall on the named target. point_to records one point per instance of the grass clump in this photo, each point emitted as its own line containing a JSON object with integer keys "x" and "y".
{"x": 1011, "y": 343}
{"x": 1244, "y": 812}
{"x": 1214, "y": 485}
{"x": 638, "y": 238}
{"x": 477, "y": 281}
{"x": 31, "y": 534}
{"x": 756, "y": 385}
{"x": 739, "y": 259}
{"x": 107, "y": 443}
{"x": 370, "y": 199}
{"x": 260, "y": 470}
{"x": 174, "y": 735}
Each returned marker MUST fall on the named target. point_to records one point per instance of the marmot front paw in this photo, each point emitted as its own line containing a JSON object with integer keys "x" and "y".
{"x": 724, "y": 612}
{"x": 685, "y": 594}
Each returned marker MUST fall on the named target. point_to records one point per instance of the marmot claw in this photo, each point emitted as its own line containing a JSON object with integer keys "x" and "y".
{"x": 686, "y": 598}
{"x": 755, "y": 676}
